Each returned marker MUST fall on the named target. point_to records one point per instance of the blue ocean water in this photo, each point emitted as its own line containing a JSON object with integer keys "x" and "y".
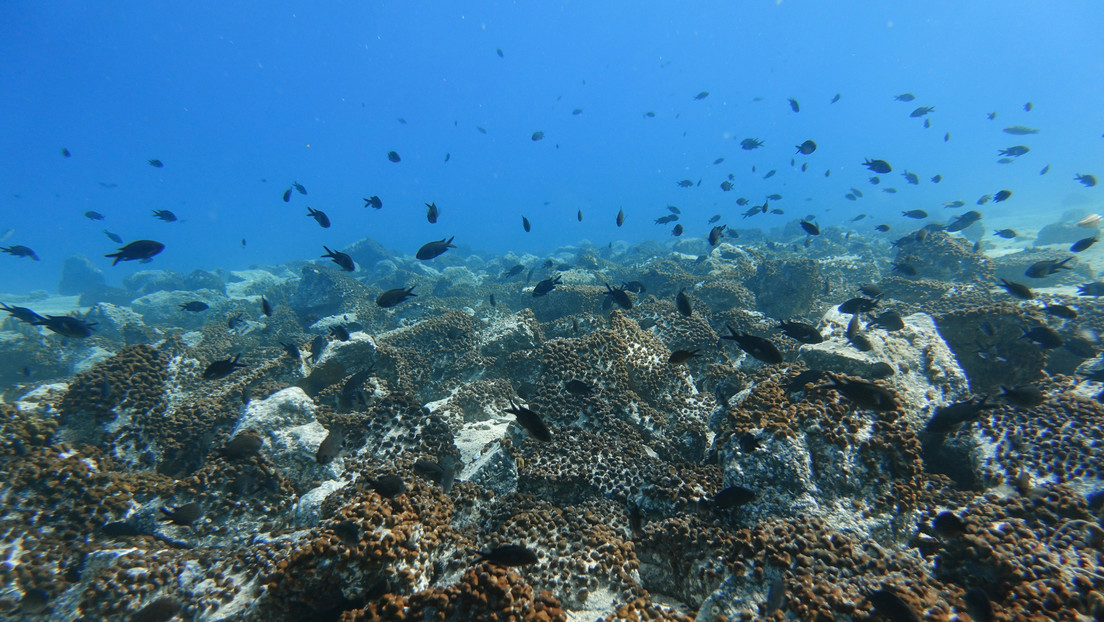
{"x": 239, "y": 100}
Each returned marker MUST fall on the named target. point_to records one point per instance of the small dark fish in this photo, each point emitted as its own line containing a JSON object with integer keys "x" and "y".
{"x": 978, "y": 605}
{"x": 114, "y": 237}
{"x": 921, "y": 111}
{"x": 448, "y": 156}
{"x": 525, "y": 224}
{"x": 904, "y": 97}
{"x": 577, "y": 111}
{"x": 194, "y": 306}
{"x": 864, "y": 394}
{"x": 317, "y": 346}
{"x": 882, "y": 228}
{"x": 751, "y": 143}
{"x": 244, "y": 445}
{"x": 682, "y": 302}
{"x": 22, "y": 314}
{"x": 165, "y": 215}
{"x": 810, "y": 228}
{"x": 718, "y": 161}
{"x": 892, "y": 607}
{"x": 904, "y": 268}
{"x": 161, "y": 610}
{"x": 1046, "y": 338}
{"x": 431, "y": 212}
{"x": 890, "y": 321}
{"x": 770, "y": 173}
{"x": 794, "y": 105}
{"x": 726, "y": 186}
{"x": 776, "y": 592}
{"x": 857, "y": 305}
{"x": 1008, "y": 234}
{"x": 341, "y": 259}
{"x": 870, "y": 290}
{"x": 1014, "y": 151}
{"x": 1086, "y": 180}
{"x": 481, "y": 131}
{"x": 701, "y": 95}
{"x": 155, "y": 163}
{"x": 635, "y": 287}
{"x": 1045, "y": 268}
{"x": 757, "y": 347}
{"x": 516, "y": 270}
{"x": 184, "y": 515}
{"x": 579, "y": 215}
{"x": 537, "y": 136}
{"x": 393, "y": 297}
{"x": 878, "y": 166}
{"x": 679, "y": 357}
{"x": 234, "y": 321}
{"x": 299, "y": 188}
{"x": 339, "y": 332}
{"x": 292, "y": 350}
{"x": 320, "y": 217}
{"x": 429, "y": 470}
{"x": 1020, "y": 130}
{"x": 1096, "y": 288}
{"x": 732, "y": 497}
{"x": 806, "y": 147}
{"x": 620, "y": 217}
{"x": 388, "y": 486}
{"x": 880, "y": 370}
{"x": 915, "y": 213}
{"x": 577, "y": 387}
{"x": 948, "y": 417}
{"x": 1018, "y": 290}
{"x": 491, "y": 299}
{"x": 1028, "y": 106}
{"x": 805, "y": 333}
{"x": 266, "y": 306}
{"x": 531, "y": 421}
{"x": 542, "y": 288}
{"x": 1003, "y": 195}
{"x": 499, "y": 52}
{"x": 330, "y": 447}
{"x": 810, "y": 376}
{"x": 509, "y": 555}
{"x": 429, "y": 250}
{"x": 66, "y": 326}
{"x": 65, "y": 152}
{"x": 618, "y": 296}
{"x": 373, "y": 201}
{"x": 287, "y": 195}
{"x": 889, "y": 190}
{"x": 855, "y": 336}
{"x": 1024, "y": 397}
{"x": 394, "y": 156}
{"x": 677, "y": 230}
{"x": 649, "y": 114}
{"x": 91, "y": 215}
{"x": 963, "y": 221}
{"x": 835, "y": 99}
{"x": 715, "y": 234}
{"x": 1083, "y": 244}
{"x": 911, "y": 178}
{"x": 1060, "y": 311}
{"x": 223, "y": 368}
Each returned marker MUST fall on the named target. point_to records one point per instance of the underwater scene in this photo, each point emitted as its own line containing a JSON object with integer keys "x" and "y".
{"x": 555, "y": 311}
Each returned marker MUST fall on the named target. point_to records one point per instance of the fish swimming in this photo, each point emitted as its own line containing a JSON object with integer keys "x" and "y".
{"x": 141, "y": 250}
{"x": 18, "y": 250}
{"x": 373, "y": 201}
{"x": 341, "y": 259}
{"x": 393, "y": 156}
{"x": 757, "y": 347}
{"x": 223, "y": 368}
{"x": 429, "y": 250}
{"x": 532, "y": 422}
{"x": 393, "y": 297}
{"x": 542, "y": 288}
{"x": 320, "y": 217}
{"x": 878, "y": 166}
{"x": 805, "y": 333}
{"x": 66, "y": 326}
{"x": 509, "y": 555}
{"x": 431, "y": 212}
{"x": 1047, "y": 267}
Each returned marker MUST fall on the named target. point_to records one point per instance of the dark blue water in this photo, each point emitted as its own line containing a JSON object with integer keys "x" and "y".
{"x": 241, "y": 99}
